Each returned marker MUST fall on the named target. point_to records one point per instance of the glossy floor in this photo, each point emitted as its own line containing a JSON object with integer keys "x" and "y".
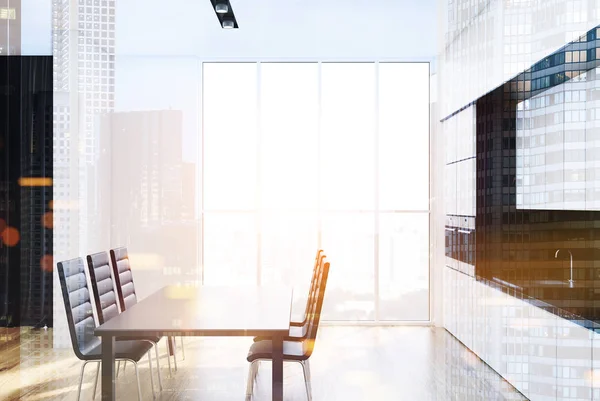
{"x": 349, "y": 363}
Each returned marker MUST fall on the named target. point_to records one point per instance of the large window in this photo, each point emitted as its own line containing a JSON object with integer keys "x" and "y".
{"x": 301, "y": 156}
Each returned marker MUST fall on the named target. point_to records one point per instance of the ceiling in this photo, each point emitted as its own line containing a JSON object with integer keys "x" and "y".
{"x": 280, "y": 29}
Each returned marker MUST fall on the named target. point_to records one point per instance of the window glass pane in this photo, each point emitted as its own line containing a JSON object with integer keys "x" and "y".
{"x": 230, "y": 142}
{"x": 404, "y": 266}
{"x": 289, "y": 142}
{"x": 289, "y": 245}
{"x": 348, "y": 243}
{"x": 265, "y": 154}
{"x": 347, "y": 132}
{"x": 230, "y": 248}
{"x": 404, "y": 136}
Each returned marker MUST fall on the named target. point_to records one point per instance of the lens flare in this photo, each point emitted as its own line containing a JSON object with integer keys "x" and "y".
{"x": 10, "y": 236}
{"x": 48, "y": 220}
{"x": 180, "y": 292}
{"x": 35, "y": 181}
{"x": 47, "y": 263}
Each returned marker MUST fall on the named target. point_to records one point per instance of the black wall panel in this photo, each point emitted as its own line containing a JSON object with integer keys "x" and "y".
{"x": 26, "y": 191}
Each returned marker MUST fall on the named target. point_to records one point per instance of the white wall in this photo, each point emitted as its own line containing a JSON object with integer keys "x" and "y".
{"x": 437, "y": 209}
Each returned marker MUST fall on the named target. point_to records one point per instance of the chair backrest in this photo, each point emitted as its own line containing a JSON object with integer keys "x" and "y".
{"x": 78, "y": 306}
{"x": 123, "y": 277}
{"x": 317, "y": 305}
{"x": 312, "y": 284}
{"x": 102, "y": 286}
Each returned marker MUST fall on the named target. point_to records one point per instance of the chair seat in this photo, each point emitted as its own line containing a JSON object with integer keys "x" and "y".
{"x": 292, "y": 350}
{"x": 296, "y": 334}
{"x": 131, "y": 349}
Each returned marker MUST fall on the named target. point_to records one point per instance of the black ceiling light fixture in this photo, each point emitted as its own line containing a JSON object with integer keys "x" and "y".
{"x": 224, "y": 14}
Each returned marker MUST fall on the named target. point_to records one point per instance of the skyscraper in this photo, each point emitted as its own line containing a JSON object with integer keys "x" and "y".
{"x": 96, "y": 91}
{"x": 65, "y": 139}
{"x": 10, "y": 27}
{"x": 151, "y": 191}
{"x": 95, "y": 66}
{"x": 84, "y": 85}
{"x": 147, "y": 184}
{"x": 83, "y": 51}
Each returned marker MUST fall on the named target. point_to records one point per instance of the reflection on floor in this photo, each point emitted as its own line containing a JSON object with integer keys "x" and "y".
{"x": 349, "y": 363}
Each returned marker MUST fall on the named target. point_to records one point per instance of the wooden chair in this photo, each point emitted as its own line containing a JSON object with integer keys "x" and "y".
{"x": 294, "y": 351}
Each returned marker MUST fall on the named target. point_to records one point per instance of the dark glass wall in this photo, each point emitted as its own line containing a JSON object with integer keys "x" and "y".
{"x": 517, "y": 246}
{"x": 26, "y": 191}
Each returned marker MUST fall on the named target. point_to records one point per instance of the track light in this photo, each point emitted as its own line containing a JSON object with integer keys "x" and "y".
{"x": 221, "y": 8}
{"x": 224, "y": 13}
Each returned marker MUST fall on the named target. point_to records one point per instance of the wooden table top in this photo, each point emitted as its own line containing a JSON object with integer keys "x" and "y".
{"x": 206, "y": 311}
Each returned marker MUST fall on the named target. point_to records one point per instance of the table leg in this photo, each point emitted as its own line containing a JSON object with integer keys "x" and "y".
{"x": 171, "y": 345}
{"x": 278, "y": 368}
{"x": 108, "y": 368}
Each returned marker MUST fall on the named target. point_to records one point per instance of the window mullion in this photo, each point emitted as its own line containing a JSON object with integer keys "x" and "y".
{"x": 202, "y": 174}
{"x": 319, "y": 166}
{"x": 376, "y": 194}
{"x": 258, "y": 210}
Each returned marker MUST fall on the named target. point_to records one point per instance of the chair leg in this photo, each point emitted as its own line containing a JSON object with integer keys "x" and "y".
{"x": 169, "y": 358}
{"x": 118, "y": 367}
{"x": 137, "y": 376}
{"x": 81, "y": 380}
{"x": 182, "y": 349}
{"x": 250, "y": 382}
{"x": 255, "y": 369}
{"x": 96, "y": 380}
{"x": 158, "y": 367}
{"x": 175, "y": 353}
{"x": 306, "y": 371}
{"x": 151, "y": 374}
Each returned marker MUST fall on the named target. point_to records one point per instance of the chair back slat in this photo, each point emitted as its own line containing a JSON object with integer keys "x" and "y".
{"x": 102, "y": 286}
{"x": 78, "y": 306}
{"x": 123, "y": 277}
{"x": 317, "y": 305}
{"x": 312, "y": 284}
{"x": 312, "y": 293}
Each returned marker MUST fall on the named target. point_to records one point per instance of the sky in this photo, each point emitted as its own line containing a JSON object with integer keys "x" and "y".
{"x": 36, "y": 27}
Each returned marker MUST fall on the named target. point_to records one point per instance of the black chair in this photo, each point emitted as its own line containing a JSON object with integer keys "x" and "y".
{"x": 293, "y": 351}
{"x": 123, "y": 276}
{"x": 106, "y": 303}
{"x": 80, "y": 319}
{"x": 299, "y": 329}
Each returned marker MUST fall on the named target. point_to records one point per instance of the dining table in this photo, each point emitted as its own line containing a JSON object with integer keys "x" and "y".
{"x": 176, "y": 310}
